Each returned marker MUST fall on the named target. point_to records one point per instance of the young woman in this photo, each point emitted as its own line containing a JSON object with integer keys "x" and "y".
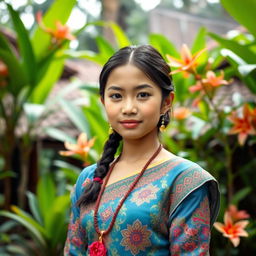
{"x": 146, "y": 201}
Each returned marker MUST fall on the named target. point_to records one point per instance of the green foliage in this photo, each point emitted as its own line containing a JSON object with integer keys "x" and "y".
{"x": 243, "y": 53}
{"x": 243, "y": 12}
{"x": 33, "y": 69}
{"x": 47, "y": 225}
{"x": 59, "y": 11}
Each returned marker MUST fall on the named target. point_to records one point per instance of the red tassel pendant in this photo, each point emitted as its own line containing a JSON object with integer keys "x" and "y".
{"x": 98, "y": 248}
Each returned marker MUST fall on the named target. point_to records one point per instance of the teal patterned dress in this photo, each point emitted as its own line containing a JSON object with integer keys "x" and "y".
{"x": 170, "y": 212}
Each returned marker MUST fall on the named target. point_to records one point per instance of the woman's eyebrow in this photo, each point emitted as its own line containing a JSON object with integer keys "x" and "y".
{"x": 141, "y": 86}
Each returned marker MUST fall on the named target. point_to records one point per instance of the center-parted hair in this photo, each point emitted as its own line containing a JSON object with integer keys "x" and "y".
{"x": 149, "y": 61}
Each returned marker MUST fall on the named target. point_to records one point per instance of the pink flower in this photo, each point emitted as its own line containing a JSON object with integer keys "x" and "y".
{"x": 97, "y": 249}
{"x": 237, "y": 215}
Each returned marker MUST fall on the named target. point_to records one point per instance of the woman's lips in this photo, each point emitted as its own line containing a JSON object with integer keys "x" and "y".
{"x": 130, "y": 124}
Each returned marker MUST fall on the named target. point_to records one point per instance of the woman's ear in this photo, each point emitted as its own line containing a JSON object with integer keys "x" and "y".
{"x": 102, "y": 100}
{"x": 167, "y": 103}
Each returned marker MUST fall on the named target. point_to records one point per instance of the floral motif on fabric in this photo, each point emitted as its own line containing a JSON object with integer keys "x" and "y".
{"x": 201, "y": 214}
{"x": 75, "y": 235}
{"x": 86, "y": 182}
{"x": 136, "y": 237}
{"x": 106, "y": 214}
{"x": 118, "y": 189}
{"x": 193, "y": 235}
{"x": 145, "y": 195}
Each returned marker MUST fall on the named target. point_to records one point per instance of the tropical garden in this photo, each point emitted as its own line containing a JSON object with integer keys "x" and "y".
{"x": 212, "y": 124}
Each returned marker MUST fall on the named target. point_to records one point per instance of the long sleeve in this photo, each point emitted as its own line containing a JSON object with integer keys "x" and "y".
{"x": 75, "y": 243}
{"x": 189, "y": 225}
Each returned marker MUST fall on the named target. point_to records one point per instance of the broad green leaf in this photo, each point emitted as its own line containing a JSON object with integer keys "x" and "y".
{"x": 34, "y": 231}
{"x": 33, "y": 111}
{"x": 240, "y": 195}
{"x": 181, "y": 85}
{"x": 250, "y": 81}
{"x": 217, "y": 58}
{"x": 44, "y": 64}
{"x": 34, "y": 207}
{"x": 104, "y": 47}
{"x": 27, "y": 217}
{"x": 243, "y": 12}
{"x": 90, "y": 88}
{"x": 76, "y": 116}
{"x": 246, "y": 69}
{"x": 236, "y": 60}
{"x": 46, "y": 193}
{"x": 57, "y": 220}
{"x": 200, "y": 44}
{"x": 200, "y": 40}
{"x": 4, "y": 45}
{"x": 163, "y": 45}
{"x": 25, "y": 47}
{"x": 89, "y": 55}
{"x": 242, "y": 51}
{"x": 42, "y": 90}
{"x": 121, "y": 38}
{"x": 98, "y": 127}
{"x": 15, "y": 71}
{"x": 15, "y": 250}
{"x": 59, "y": 11}
{"x": 58, "y": 134}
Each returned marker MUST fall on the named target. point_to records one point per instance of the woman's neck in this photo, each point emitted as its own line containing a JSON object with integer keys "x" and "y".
{"x": 139, "y": 150}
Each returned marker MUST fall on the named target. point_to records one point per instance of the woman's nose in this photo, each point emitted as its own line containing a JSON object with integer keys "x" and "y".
{"x": 129, "y": 107}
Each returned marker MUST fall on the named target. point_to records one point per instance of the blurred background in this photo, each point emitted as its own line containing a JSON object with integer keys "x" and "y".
{"x": 51, "y": 54}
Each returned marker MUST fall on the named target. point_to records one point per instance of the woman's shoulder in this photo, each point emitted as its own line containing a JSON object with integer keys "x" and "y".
{"x": 85, "y": 177}
{"x": 182, "y": 167}
{"x": 190, "y": 177}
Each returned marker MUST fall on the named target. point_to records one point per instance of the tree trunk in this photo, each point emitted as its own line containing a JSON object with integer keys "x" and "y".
{"x": 110, "y": 10}
{"x": 25, "y": 152}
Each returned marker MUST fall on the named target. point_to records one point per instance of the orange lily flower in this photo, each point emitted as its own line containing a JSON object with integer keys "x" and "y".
{"x": 231, "y": 230}
{"x": 187, "y": 63}
{"x": 81, "y": 148}
{"x": 213, "y": 80}
{"x": 210, "y": 82}
{"x": 61, "y": 32}
{"x": 181, "y": 113}
{"x": 197, "y": 87}
{"x": 237, "y": 215}
{"x": 243, "y": 126}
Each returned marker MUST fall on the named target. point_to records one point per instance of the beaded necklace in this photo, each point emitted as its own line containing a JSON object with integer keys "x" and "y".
{"x": 98, "y": 248}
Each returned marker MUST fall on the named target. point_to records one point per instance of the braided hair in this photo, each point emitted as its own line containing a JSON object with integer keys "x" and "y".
{"x": 150, "y": 61}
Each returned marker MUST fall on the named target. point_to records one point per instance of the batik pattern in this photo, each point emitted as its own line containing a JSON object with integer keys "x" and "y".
{"x": 169, "y": 212}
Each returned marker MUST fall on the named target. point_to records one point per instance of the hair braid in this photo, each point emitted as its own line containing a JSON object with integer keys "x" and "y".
{"x": 92, "y": 190}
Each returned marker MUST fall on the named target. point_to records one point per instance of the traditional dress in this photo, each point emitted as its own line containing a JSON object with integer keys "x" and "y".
{"x": 169, "y": 212}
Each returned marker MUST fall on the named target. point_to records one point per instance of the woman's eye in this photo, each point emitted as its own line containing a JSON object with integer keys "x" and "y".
{"x": 143, "y": 95}
{"x": 115, "y": 96}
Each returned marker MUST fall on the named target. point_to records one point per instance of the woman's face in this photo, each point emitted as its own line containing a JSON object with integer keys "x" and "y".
{"x": 133, "y": 102}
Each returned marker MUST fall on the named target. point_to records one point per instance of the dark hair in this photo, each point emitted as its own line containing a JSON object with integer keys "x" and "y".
{"x": 150, "y": 61}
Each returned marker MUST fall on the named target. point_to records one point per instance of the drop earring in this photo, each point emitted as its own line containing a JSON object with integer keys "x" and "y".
{"x": 110, "y": 129}
{"x": 162, "y": 127}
